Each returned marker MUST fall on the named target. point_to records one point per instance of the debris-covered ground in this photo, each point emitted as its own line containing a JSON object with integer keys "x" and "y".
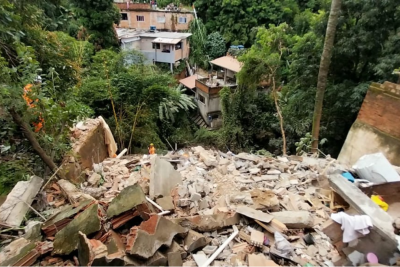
{"x": 193, "y": 207}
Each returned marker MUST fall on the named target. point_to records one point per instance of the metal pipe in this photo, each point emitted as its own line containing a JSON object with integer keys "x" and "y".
{"x": 154, "y": 203}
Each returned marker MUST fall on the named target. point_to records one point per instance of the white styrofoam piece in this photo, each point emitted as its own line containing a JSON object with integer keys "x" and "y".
{"x": 376, "y": 168}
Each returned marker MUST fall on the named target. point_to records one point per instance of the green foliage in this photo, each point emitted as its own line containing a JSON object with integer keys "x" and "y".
{"x": 197, "y": 44}
{"x": 11, "y": 172}
{"x": 215, "y": 45}
{"x": 98, "y": 18}
{"x": 143, "y": 97}
{"x": 304, "y": 145}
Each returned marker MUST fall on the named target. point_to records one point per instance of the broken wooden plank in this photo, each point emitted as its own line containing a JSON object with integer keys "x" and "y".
{"x": 18, "y": 201}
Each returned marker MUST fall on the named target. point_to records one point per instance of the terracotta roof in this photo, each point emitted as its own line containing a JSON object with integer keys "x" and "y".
{"x": 190, "y": 82}
{"x": 228, "y": 62}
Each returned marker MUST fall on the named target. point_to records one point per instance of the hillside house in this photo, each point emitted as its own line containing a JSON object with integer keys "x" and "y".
{"x": 142, "y": 16}
{"x": 223, "y": 74}
{"x": 163, "y": 47}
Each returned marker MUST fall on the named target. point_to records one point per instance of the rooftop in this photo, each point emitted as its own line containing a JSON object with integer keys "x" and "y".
{"x": 228, "y": 62}
{"x": 190, "y": 82}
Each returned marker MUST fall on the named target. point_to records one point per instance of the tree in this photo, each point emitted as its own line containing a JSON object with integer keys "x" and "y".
{"x": 98, "y": 17}
{"x": 215, "y": 45}
{"x": 264, "y": 62}
{"x": 324, "y": 69}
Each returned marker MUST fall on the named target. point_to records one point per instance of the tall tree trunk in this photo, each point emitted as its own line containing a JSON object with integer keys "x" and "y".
{"x": 324, "y": 69}
{"x": 35, "y": 144}
{"x": 278, "y": 110}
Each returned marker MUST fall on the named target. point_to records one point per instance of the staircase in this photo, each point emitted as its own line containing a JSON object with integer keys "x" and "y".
{"x": 199, "y": 121}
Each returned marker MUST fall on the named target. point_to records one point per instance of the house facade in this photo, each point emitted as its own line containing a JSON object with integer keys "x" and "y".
{"x": 141, "y": 16}
{"x": 163, "y": 47}
{"x": 223, "y": 74}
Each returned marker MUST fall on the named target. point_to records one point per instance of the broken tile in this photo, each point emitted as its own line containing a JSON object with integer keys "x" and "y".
{"x": 144, "y": 240}
{"x": 129, "y": 198}
{"x": 257, "y": 238}
{"x": 67, "y": 239}
{"x": 254, "y": 214}
{"x": 174, "y": 259}
{"x": 208, "y": 223}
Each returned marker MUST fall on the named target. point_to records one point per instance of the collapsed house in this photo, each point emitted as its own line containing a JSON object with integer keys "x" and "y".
{"x": 194, "y": 207}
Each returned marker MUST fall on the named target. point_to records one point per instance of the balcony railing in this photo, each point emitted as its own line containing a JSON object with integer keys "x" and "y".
{"x": 213, "y": 86}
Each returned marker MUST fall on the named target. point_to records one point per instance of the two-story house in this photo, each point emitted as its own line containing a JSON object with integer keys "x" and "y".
{"x": 207, "y": 89}
{"x": 141, "y": 16}
{"x": 163, "y": 47}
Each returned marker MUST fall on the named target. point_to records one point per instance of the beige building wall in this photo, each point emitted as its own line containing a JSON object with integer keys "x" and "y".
{"x": 163, "y": 20}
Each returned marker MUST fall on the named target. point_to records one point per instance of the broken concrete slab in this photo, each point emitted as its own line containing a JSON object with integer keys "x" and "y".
{"x": 294, "y": 219}
{"x": 61, "y": 219}
{"x": 14, "y": 209}
{"x": 163, "y": 178}
{"x": 129, "y": 198}
{"x": 267, "y": 177}
{"x": 33, "y": 230}
{"x": 174, "y": 259}
{"x": 208, "y": 159}
{"x": 94, "y": 179}
{"x": 210, "y": 249}
{"x": 66, "y": 240}
{"x": 174, "y": 247}
{"x": 249, "y": 157}
{"x": 194, "y": 241}
{"x": 88, "y": 250}
{"x": 208, "y": 223}
{"x": 144, "y": 240}
{"x": 12, "y": 251}
{"x": 254, "y": 214}
{"x": 73, "y": 194}
{"x": 166, "y": 203}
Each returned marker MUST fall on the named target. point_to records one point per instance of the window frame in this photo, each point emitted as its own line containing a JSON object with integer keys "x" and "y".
{"x": 181, "y": 18}
{"x": 204, "y": 99}
{"x": 124, "y": 14}
{"x": 156, "y": 46}
{"x": 138, "y": 18}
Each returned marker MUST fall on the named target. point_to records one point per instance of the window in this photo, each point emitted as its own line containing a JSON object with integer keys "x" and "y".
{"x": 160, "y": 19}
{"x": 166, "y": 49}
{"x": 178, "y": 46}
{"x": 140, "y": 18}
{"x": 182, "y": 20}
{"x": 156, "y": 46}
{"x": 124, "y": 16}
{"x": 202, "y": 99}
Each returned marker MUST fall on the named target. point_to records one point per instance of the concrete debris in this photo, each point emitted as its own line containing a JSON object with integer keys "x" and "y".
{"x": 73, "y": 194}
{"x": 129, "y": 198}
{"x": 17, "y": 204}
{"x": 163, "y": 178}
{"x": 294, "y": 219}
{"x": 143, "y": 241}
{"x": 209, "y": 223}
{"x": 254, "y": 214}
{"x": 194, "y": 241}
{"x": 66, "y": 240}
{"x": 201, "y": 198}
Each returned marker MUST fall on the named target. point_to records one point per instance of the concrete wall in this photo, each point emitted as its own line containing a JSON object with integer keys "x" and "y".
{"x": 211, "y": 104}
{"x": 163, "y": 20}
{"x": 376, "y": 128}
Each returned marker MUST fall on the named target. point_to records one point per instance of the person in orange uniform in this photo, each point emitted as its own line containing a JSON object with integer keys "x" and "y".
{"x": 152, "y": 149}
{"x": 31, "y": 103}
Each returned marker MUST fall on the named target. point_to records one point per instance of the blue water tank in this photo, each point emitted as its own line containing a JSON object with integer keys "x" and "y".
{"x": 233, "y": 46}
{"x": 240, "y": 46}
{"x": 153, "y": 28}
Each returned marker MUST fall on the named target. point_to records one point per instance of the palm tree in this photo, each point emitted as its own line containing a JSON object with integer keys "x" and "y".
{"x": 323, "y": 70}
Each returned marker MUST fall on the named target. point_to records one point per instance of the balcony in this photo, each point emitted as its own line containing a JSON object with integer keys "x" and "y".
{"x": 214, "y": 85}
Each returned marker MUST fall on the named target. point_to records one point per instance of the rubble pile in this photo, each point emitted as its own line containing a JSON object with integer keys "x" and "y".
{"x": 194, "y": 207}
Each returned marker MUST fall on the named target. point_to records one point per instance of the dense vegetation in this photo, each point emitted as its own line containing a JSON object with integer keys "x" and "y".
{"x": 72, "y": 45}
